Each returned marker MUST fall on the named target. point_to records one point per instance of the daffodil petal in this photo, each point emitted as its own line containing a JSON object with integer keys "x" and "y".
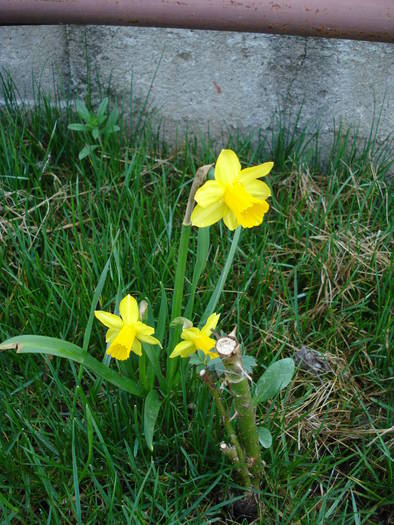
{"x": 111, "y": 334}
{"x": 254, "y": 215}
{"x": 137, "y": 347}
{"x": 128, "y": 309}
{"x": 202, "y": 217}
{"x": 209, "y": 193}
{"x": 148, "y": 339}
{"x": 255, "y": 172}
{"x": 230, "y": 220}
{"x": 211, "y": 324}
{"x": 204, "y": 343}
{"x": 227, "y": 167}
{"x": 258, "y": 189}
{"x": 183, "y": 349}
{"x": 121, "y": 346}
{"x": 189, "y": 334}
{"x": 109, "y": 320}
{"x": 143, "y": 329}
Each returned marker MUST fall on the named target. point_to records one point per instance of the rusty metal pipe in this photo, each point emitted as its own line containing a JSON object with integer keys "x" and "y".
{"x": 352, "y": 19}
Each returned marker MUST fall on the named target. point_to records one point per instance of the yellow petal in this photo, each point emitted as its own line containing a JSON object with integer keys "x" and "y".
{"x": 183, "y": 349}
{"x": 111, "y": 334}
{"x": 254, "y": 215}
{"x": 209, "y": 193}
{"x": 258, "y": 189}
{"x": 213, "y": 355}
{"x": 230, "y": 220}
{"x": 128, "y": 309}
{"x": 149, "y": 339}
{"x": 144, "y": 333}
{"x": 227, "y": 167}
{"x": 202, "y": 217}
{"x": 143, "y": 328}
{"x": 137, "y": 347}
{"x": 190, "y": 334}
{"x": 211, "y": 324}
{"x": 121, "y": 346}
{"x": 255, "y": 172}
{"x": 204, "y": 343}
{"x": 109, "y": 320}
{"x": 237, "y": 198}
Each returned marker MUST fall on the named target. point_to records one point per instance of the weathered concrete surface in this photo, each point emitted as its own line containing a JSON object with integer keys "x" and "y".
{"x": 39, "y": 53}
{"x": 221, "y": 80}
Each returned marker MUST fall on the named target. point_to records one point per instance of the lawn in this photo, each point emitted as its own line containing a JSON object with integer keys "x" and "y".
{"x": 317, "y": 273}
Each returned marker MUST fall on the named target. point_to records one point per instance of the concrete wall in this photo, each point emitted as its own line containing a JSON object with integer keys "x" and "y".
{"x": 216, "y": 79}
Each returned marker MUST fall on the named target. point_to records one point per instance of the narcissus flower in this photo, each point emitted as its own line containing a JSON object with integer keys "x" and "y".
{"x": 236, "y": 195}
{"x": 125, "y": 333}
{"x": 195, "y": 339}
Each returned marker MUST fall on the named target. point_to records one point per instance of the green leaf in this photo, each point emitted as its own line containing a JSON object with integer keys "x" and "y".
{"x": 95, "y": 133}
{"x": 76, "y": 126}
{"x": 112, "y": 129}
{"x": 199, "y": 266}
{"x": 197, "y": 359}
{"x": 265, "y": 438}
{"x": 112, "y": 120}
{"x": 151, "y": 411}
{"x": 95, "y": 299}
{"x": 75, "y": 476}
{"x": 102, "y": 109}
{"x": 37, "y": 344}
{"x": 248, "y": 363}
{"x": 82, "y": 111}
{"x": 86, "y": 151}
{"x": 277, "y": 376}
{"x": 163, "y": 314}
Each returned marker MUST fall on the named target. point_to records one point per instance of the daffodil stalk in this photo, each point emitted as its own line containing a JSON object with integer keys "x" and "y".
{"x": 223, "y": 276}
{"x": 177, "y": 300}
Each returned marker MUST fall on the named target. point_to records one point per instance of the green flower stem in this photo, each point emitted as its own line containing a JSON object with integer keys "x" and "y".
{"x": 201, "y": 262}
{"x": 199, "y": 178}
{"x": 222, "y": 279}
{"x": 241, "y": 465}
{"x": 178, "y": 297}
{"x": 229, "y": 351}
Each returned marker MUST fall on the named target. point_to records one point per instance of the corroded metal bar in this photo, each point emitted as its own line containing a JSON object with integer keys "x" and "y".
{"x": 352, "y": 19}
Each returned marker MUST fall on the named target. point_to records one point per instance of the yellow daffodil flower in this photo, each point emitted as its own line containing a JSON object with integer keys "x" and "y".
{"x": 236, "y": 195}
{"x": 125, "y": 333}
{"x": 195, "y": 339}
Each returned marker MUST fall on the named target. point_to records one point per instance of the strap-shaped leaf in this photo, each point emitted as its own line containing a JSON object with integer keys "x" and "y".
{"x": 151, "y": 411}
{"x": 37, "y": 344}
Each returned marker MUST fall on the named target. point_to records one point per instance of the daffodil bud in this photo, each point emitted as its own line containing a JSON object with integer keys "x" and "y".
{"x": 143, "y": 310}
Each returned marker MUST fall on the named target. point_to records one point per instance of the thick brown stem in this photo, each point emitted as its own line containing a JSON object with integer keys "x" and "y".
{"x": 229, "y": 350}
{"x": 236, "y": 451}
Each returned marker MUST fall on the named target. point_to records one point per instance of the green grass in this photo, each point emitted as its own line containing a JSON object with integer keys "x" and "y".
{"x": 317, "y": 273}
